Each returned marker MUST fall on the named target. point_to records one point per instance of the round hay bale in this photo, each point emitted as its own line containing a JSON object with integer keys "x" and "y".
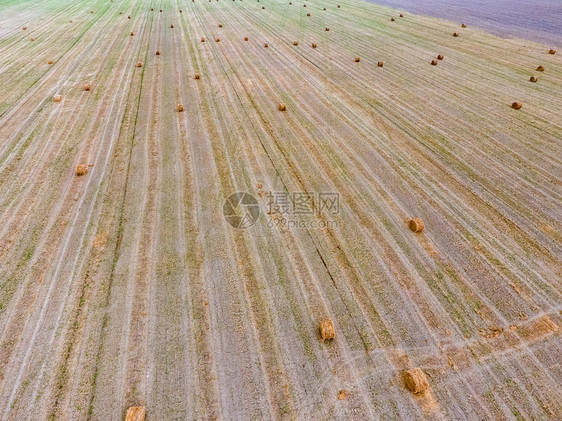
{"x": 324, "y": 8}
{"x": 401, "y": 15}
{"x": 180, "y": 108}
{"x": 295, "y": 43}
{"x": 152, "y": 9}
{"x": 304, "y": 5}
{"x": 308, "y": 14}
{"x": 160, "y": 10}
{"x": 136, "y": 413}
{"x": 132, "y": 34}
{"x": 263, "y": 7}
{"x": 282, "y": 107}
{"x": 120, "y": 13}
{"x": 245, "y": 38}
{"x": 392, "y": 19}
{"x": 32, "y": 39}
{"x": 357, "y": 59}
{"x": 434, "y": 62}
{"x": 25, "y": 28}
{"x": 70, "y": 21}
{"x": 380, "y": 64}
{"x": 57, "y": 98}
{"x": 463, "y": 25}
{"x": 440, "y": 57}
{"x": 266, "y": 45}
{"x": 128, "y": 17}
{"x": 81, "y": 169}
{"x": 91, "y": 11}
{"x": 540, "y": 68}
{"x": 455, "y": 34}
{"x": 50, "y": 62}
{"x": 314, "y": 45}
{"x": 339, "y": 6}
{"x": 533, "y": 79}
{"x": 181, "y": 11}
{"x": 415, "y": 380}
{"x": 87, "y": 87}
{"x": 197, "y": 76}
{"x": 172, "y": 25}
{"x": 157, "y": 52}
{"x": 327, "y": 330}
{"x": 327, "y": 29}
{"x": 516, "y": 105}
{"x": 139, "y": 64}
{"x": 217, "y": 40}
{"x": 202, "y": 39}
{"x": 290, "y": 2}
{"x": 220, "y": 25}
{"x": 416, "y": 225}
{"x": 551, "y": 51}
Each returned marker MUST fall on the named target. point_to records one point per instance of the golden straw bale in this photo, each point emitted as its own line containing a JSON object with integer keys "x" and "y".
{"x": 416, "y": 225}
{"x": 415, "y": 380}
{"x": 327, "y": 330}
{"x": 136, "y": 413}
{"x": 81, "y": 169}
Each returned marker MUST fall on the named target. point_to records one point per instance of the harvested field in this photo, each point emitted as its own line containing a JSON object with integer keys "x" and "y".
{"x": 134, "y": 284}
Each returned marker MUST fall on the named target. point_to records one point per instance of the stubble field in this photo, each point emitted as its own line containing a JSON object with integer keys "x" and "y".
{"x": 127, "y": 286}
